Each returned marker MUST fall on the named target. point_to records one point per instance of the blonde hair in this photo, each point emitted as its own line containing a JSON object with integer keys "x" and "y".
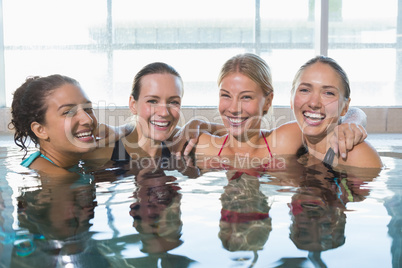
{"x": 252, "y": 66}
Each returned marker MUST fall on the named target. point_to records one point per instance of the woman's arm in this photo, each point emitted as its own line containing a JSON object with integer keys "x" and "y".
{"x": 347, "y": 134}
{"x": 191, "y": 132}
{"x": 355, "y": 115}
{"x": 107, "y": 134}
{"x": 350, "y": 132}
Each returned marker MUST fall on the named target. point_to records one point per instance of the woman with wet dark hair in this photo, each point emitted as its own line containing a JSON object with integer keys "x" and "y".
{"x": 55, "y": 114}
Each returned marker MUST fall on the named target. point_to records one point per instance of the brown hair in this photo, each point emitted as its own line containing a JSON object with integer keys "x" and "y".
{"x": 29, "y": 105}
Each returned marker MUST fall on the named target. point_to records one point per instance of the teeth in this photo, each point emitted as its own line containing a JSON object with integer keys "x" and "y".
{"x": 314, "y": 115}
{"x": 84, "y": 134}
{"x": 236, "y": 120}
{"x": 160, "y": 124}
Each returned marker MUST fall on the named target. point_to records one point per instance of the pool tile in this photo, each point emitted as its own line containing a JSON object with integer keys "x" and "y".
{"x": 394, "y": 120}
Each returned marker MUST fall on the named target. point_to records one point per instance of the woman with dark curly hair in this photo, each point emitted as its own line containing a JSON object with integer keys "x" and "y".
{"x": 54, "y": 113}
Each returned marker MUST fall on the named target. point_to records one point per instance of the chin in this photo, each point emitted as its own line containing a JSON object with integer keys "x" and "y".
{"x": 85, "y": 147}
{"x": 160, "y": 138}
{"x": 315, "y": 134}
{"x": 236, "y": 133}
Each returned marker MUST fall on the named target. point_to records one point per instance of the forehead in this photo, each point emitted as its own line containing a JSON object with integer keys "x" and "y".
{"x": 237, "y": 79}
{"x": 162, "y": 85}
{"x": 321, "y": 73}
{"x": 67, "y": 93}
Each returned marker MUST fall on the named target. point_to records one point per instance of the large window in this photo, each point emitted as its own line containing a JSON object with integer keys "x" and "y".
{"x": 103, "y": 43}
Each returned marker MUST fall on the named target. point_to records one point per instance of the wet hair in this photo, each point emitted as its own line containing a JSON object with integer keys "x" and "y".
{"x": 152, "y": 68}
{"x": 331, "y": 62}
{"x": 252, "y": 66}
{"x": 29, "y": 105}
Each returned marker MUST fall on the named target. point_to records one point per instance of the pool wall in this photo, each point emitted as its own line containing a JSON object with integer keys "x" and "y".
{"x": 379, "y": 119}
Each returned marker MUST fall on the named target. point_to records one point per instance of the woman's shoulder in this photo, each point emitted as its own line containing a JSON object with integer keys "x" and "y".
{"x": 43, "y": 166}
{"x": 286, "y": 139}
{"x": 363, "y": 155}
{"x": 209, "y": 144}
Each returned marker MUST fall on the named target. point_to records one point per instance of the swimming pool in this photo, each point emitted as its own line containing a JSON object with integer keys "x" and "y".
{"x": 220, "y": 219}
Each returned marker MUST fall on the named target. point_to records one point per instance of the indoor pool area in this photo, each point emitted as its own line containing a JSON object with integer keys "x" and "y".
{"x": 156, "y": 217}
{"x": 99, "y": 97}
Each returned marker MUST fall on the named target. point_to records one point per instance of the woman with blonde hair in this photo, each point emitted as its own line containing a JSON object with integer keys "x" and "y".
{"x": 245, "y": 96}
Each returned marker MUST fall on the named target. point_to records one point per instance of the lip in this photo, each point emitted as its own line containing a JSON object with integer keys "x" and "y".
{"x": 236, "y": 121}
{"x": 85, "y": 135}
{"x": 313, "y": 118}
{"x": 160, "y": 124}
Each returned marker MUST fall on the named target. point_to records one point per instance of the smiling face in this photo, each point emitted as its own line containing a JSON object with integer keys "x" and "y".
{"x": 318, "y": 99}
{"x": 69, "y": 122}
{"x": 242, "y": 103}
{"x": 158, "y": 106}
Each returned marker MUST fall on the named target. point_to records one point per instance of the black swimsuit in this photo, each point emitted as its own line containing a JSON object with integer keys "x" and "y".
{"x": 120, "y": 154}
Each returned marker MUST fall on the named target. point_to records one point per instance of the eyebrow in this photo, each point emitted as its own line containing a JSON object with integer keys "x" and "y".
{"x": 305, "y": 84}
{"x": 152, "y": 96}
{"x": 71, "y": 105}
{"x": 245, "y": 91}
{"x": 324, "y": 86}
{"x": 157, "y": 97}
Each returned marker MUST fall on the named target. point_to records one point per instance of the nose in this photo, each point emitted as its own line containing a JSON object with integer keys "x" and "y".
{"x": 84, "y": 117}
{"x": 162, "y": 110}
{"x": 235, "y": 107}
{"x": 315, "y": 101}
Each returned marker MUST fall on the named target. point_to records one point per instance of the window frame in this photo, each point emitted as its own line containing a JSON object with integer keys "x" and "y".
{"x": 321, "y": 45}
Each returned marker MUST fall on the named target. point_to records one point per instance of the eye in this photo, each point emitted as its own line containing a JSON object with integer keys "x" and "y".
{"x": 69, "y": 112}
{"x": 224, "y": 95}
{"x": 329, "y": 93}
{"x": 89, "y": 110}
{"x": 247, "y": 97}
{"x": 176, "y": 103}
{"x": 303, "y": 90}
{"x": 152, "y": 101}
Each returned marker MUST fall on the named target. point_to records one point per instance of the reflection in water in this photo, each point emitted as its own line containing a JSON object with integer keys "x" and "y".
{"x": 156, "y": 217}
{"x": 148, "y": 218}
{"x": 157, "y": 213}
{"x": 245, "y": 224}
{"x": 394, "y": 208}
{"x": 318, "y": 210}
{"x": 56, "y": 215}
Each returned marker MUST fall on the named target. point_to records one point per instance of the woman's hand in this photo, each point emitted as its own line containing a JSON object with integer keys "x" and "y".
{"x": 106, "y": 134}
{"x": 188, "y": 135}
{"x": 346, "y": 136}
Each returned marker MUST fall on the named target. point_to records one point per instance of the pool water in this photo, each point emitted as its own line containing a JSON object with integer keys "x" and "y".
{"x": 156, "y": 217}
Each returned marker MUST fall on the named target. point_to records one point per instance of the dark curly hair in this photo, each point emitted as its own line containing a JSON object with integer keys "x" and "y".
{"x": 29, "y": 105}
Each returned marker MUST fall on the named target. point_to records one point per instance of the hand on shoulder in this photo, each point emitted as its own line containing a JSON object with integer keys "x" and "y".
{"x": 362, "y": 155}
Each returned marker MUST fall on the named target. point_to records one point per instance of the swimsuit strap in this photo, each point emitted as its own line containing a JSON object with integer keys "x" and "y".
{"x": 165, "y": 151}
{"x": 28, "y": 161}
{"x": 223, "y": 145}
{"x": 47, "y": 158}
{"x": 119, "y": 153}
{"x": 269, "y": 150}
